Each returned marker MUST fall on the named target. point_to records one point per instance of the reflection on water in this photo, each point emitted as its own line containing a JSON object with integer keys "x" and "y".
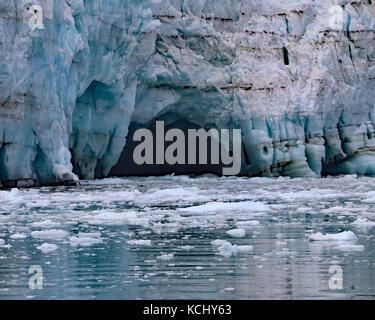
{"x": 151, "y": 238}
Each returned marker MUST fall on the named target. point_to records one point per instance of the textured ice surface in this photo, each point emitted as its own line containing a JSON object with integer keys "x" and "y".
{"x": 301, "y": 91}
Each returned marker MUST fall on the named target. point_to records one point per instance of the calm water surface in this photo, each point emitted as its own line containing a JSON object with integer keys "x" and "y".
{"x": 152, "y": 238}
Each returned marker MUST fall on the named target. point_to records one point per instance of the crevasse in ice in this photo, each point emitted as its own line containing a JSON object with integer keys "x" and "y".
{"x": 296, "y": 76}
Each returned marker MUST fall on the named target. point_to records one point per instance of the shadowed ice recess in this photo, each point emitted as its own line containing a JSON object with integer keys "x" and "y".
{"x": 183, "y": 238}
{"x": 301, "y": 91}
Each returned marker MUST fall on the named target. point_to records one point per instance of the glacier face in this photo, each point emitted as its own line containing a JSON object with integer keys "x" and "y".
{"x": 295, "y": 75}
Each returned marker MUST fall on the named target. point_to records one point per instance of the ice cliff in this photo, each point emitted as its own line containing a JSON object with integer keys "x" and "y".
{"x": 297, "y": 76}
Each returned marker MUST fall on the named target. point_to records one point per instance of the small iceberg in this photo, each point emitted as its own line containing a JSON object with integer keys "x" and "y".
{"x": 139, "y": 242}
{"x": 17, "y": 236}
{"x": 46, "y": 224}
{"x": 47, "y": 247}
{"x": 364, "y": 223}
{"x": 225, "y": 248}
{"x": 85, "y": 239}
{"x": 166, "y": 257}
{"x": 237, "y": 233}
{"x": 49, "y": 234}
{"x": 343, "y": 236}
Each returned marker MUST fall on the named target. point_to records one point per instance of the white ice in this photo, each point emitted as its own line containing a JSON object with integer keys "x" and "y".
{"x": 140, "y": 242}
{"x": 237, "y": 233}
{"x": 343, "y": 236}
{"x": 47, "y": 247}
{"x": 50, "y": 234}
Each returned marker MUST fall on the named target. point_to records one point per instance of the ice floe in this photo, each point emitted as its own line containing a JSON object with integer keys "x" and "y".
{"x": 139, "y": 242}
{"x": 225, "y": 248}
{"x": 17, "y": 236}
{"x": 86, "y": 239}
{"x": 169, "y": 256}
{"x": 364, "y": 222}
{"x": 47, "y": 247}
{"x": 46, "y": 224}
{"x": 50, "y": 234}
{"x": 343, "y": 236}
{"x": 237, "y": 233}
{"x": 12, "y": 195}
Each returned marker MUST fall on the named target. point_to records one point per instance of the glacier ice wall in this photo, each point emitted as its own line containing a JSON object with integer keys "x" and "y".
{"x": 300, "y": 89}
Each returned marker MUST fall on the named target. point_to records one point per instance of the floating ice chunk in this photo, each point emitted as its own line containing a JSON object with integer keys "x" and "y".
{"x": 218, "y": 243}
{"x": 85, "y": 240}
{"x": 12, "y": 195}
{"x": 47, "y": 247}
{"x": 2, "y": 242}
{"x": 228, "y": 206}
{"x": 343, "y": 236}
{"x": 47, "y": 224}
{"x": 237, "y": 233}
{"x": 364, "y": 222}
{"x": 50, "y": 234}
{"x": 18, "y": 236}
{"x": 140, "y": 242}
{"x": 350, "y": 247}
{"x": 166, "y": 256}
{"x": 228, "y": 249}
